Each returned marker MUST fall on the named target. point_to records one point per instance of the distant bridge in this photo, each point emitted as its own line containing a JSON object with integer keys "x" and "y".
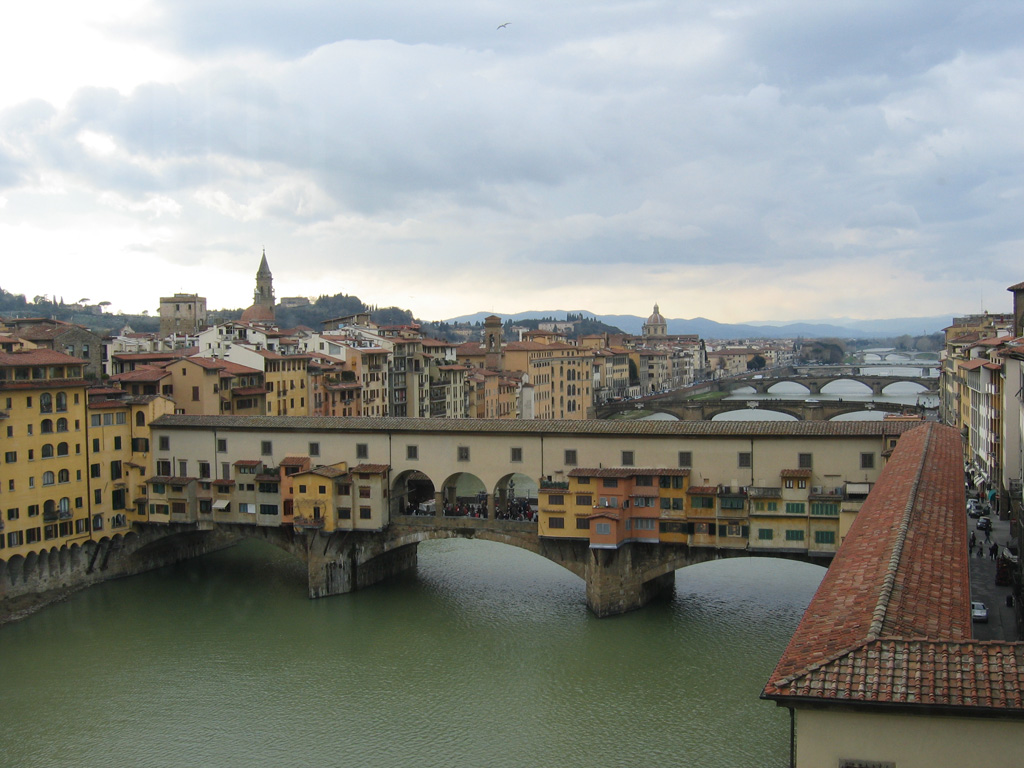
{"x": 706, "y": 410}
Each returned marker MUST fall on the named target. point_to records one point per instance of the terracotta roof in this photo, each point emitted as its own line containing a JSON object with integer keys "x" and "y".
{"x": 371, "y": 469}
{"x": 799, "y": 430}
{"x": 795, "y": 473}
{"x": 627, "y": 472}
{"x": 38, "y": 357}
{"x": 891, "y": 622}
{"x": 702, "y": 490}
{"x": 294, "y": 461}
{"x": 142, "y": 373}
{"x": 248, "y": 463}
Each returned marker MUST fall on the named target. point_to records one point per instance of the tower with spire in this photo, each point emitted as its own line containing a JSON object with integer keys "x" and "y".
{"x": 263, "y": 303}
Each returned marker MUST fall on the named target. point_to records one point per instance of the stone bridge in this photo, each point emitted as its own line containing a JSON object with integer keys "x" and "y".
{"x": 616, "y": 580}
{"x": 706, "y": 410}
{"x": 817, "y": 381}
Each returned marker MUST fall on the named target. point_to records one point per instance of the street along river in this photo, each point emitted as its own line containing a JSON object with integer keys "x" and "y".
{"x": 483, "y": 656}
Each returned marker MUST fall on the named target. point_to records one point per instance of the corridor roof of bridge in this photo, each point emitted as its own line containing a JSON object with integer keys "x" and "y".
{"x": 891, "y": 622}
{"x": 627, "y": 472}
{"x": 795, "y": 429}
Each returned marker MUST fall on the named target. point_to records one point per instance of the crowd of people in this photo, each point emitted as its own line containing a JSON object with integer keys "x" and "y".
{"x": 517, "y": 509}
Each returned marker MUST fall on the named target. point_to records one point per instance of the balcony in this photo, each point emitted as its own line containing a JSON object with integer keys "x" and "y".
{"x": 759, "y": 492}
{"x": 313, "y": 523}
{"x": 554, "y": 485}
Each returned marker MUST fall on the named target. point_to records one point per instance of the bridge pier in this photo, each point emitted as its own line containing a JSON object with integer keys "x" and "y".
{"x": 615, "y": 581}
{"x": 338, "y": 567}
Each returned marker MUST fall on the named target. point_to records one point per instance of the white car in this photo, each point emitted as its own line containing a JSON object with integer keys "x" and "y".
{"x": 979, "y": 612}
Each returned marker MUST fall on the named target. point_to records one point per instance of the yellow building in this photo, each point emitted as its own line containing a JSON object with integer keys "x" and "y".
{"x": 44, "y": 486}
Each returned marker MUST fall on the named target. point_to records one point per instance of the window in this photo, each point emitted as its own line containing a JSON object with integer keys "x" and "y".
{"x": 584, "y": 500}
{"x": 268, "y": 509}
{"x": 582, "y": 524}
{"x": 117, "y": 442}
{"x": 412, "y": 452}
{"x": 789, "y": 484}
{"x": 62, "y": 424}
{"x": 685, "y": 459}
{"x": 516, "y": 454}
{"x": 803, "y": 460}
{"x": 364, "y": 513}
{"x": 556, "y": 499}
{"x": 302, "y": 489}
{"x": 97, "y": 496}
{"x": 13, "y": 514}
{"x": 344, "y": 489}
{"x": 47, "y": 451}
{"x": 204, "y": 469}
{"x": 644, "y": 523}
{"x": 163, "y": 468}
{"x": 792, "y": 535}
{"x": 364, "y": 492}
{"x": 824, "y": 509}
{"x": 322, "y": 489}
{"x": 744, "y": 459}
{"x": 609, "y": 482}
{"x": 795, "y": 508}
{"x": 46, "y": 403}
{"x": 165, "y": 443}
{"x": 222, "y": 444}
{"x": 314, "y": 449}
{"x": 463, "y": 453}
{"x": 344, "y": 513}
{"x": 62, "y": 449}
{"x": 266, "y": 448}
{"x": 195, "y": 393}
{"x": 867, "y": 461}
{"x": 627, "y": 458}
{"x": 702, "y": 502}
{"x": 64, "y": 476}
{"x": 765, "y": 534}
{"x": 556, "y": 522}
{"x": 570, "y": 458}
{"x": 801, "y": 484}
{"x": 45, "y": 426}
{"x": 10, "y": 456}
{"x": 362, "y": 451}
{"x": 115, "y": 470}
{"x": 824, "y": 537}
{"x": 94, "y": 470}
{"x": 603, "y": 529}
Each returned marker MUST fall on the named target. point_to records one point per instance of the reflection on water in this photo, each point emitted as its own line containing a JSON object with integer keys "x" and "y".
{"x": 484, "y": 655}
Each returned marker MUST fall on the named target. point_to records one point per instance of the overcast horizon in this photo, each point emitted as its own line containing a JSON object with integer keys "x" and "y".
{"x": 736, "y": 161}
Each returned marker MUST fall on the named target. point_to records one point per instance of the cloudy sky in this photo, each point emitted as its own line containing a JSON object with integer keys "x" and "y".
{"x": 737, "y": 160}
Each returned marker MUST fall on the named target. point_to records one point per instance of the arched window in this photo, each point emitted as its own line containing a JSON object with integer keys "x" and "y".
{"x": 62, "y": 401}
{"x": 62, "y": 424}
{"x": 45, "y": 402}
{"x": 64, "y": 476}
{"x": 47, "y": 452}
{"x": 47, "y": 478}
{"x": 46, "y": 426}
{"x": 97, "y": 522}
{"x": 62, "y": 449}
{"x": 49, "y": 507}
{"x": 65, "y": 506}
{"x": 140, "y": 419}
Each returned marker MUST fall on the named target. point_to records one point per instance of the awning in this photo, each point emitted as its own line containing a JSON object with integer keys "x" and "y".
{"x": 221, "y": 504}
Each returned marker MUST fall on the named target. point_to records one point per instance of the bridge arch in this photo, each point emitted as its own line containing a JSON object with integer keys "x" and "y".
{"x": 905, "y": 388}
{"x": 841, "y": 384}
{"x": 412, "y": 490}
{"x": 515, "y": 497}
{"x": 741, "y": 413}
{"x": 786, "y": 389}
{"x": 465, "y": 489}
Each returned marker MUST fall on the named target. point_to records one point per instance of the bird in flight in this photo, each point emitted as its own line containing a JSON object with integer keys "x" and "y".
{"x": 502, "y": 26}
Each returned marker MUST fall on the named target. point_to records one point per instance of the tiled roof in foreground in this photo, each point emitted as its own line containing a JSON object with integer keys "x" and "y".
{"x": 890, "y": 623}
{"x": 701, "y": 429}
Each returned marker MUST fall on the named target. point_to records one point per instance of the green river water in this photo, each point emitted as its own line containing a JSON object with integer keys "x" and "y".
{"x": 485, "y": 655}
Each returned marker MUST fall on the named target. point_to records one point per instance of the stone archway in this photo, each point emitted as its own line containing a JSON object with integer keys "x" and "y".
{"x": 464, "y": 494}
{"x": 413, "y": 493}
{"x": 515, "y": 497}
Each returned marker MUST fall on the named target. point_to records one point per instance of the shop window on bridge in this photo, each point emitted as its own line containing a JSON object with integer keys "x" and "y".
{"x": 700, "y": 528}
{"x": 570, "y": 458}
{"x": 734, "y": 529}
{"x": 178, "y": 507}
{"x": 582, "y": 524}
{"x": 584, "y": 500}
{"x": 732, "y": 502}
{"x": 702, "y": 502}
{"x": 206, "y": 505}
{"x": 603, "y": 529}
{"x": 609, "y": 501}
{"x": 556, "y": 499}
{"x": 824, "y": 537}
{"x": 795, "y": 508}
{"x": 646, "y": 481}
{"x": 644, "y": 523}
{"x": 267, "y": 487}
{"x": 364, "y": 513}
{"x": 867, "y": 461}
{"x": 792, "y": 535}
{"x": 666, "y": 503}
{"x": 249, "y": 509}
{"x": 268, "y": 509}
{"x": 824, "y": 509}
{"x": 364, "y": 492}
{"x": 344, "y": 513}
{"x": 609, "y": 482}
{"x": 765, "y": 534}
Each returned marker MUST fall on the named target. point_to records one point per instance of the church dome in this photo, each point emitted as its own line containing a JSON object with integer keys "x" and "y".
{"x": 656, "y": 318}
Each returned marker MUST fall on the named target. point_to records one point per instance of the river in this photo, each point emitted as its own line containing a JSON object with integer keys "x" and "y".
{"x": 485, "y": 655}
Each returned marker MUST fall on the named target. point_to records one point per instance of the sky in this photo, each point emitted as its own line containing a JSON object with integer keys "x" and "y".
{"x": 736, "y": 160}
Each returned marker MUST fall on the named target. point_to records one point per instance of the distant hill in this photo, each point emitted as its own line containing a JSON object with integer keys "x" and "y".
{"x": 709, "y": 329}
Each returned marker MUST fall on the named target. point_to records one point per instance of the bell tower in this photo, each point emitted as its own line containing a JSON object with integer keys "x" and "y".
{"x": 492, "y": 343}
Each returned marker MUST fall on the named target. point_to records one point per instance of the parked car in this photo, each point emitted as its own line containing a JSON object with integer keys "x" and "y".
{"x": 979, "y": 612}
{"x": 973, "y": 508}
{"x": 984, "y": 524}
